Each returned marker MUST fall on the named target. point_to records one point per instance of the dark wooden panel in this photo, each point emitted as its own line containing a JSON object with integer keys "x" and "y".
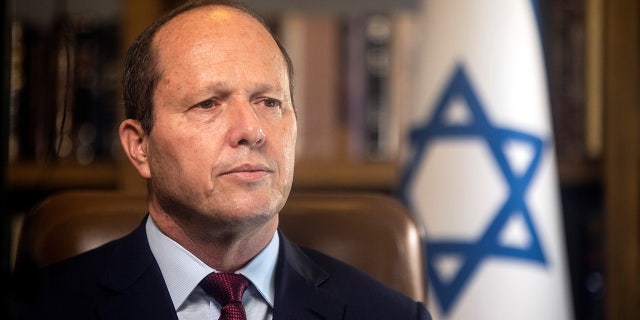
{"x": 622, "y": 141}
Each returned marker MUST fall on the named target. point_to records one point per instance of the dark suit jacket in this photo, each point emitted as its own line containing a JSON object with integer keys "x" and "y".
{"x": 121, "y": 280}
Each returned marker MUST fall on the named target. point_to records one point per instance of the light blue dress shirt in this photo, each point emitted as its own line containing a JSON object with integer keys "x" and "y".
{"x": 182, "y": 272}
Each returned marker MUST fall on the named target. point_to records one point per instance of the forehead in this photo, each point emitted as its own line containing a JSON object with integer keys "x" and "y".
{"x": 212, "y": 15}
{"x": 215, "y": 24}
{"x": 215, "y": 34}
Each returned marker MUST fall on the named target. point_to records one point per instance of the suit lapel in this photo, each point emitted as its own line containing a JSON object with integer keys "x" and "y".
{"x": 133, "y": 286}
{"x": 298, "y": 287}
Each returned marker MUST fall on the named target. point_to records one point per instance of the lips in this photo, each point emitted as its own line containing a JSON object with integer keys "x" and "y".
{"x": 248, "y": 171}
{"x": 249, "y": 168}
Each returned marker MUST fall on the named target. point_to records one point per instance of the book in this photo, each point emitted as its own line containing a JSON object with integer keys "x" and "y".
{"x": 313, "y": 42}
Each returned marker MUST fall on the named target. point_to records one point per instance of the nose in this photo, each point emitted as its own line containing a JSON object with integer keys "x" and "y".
{"x": 245, "y": 126}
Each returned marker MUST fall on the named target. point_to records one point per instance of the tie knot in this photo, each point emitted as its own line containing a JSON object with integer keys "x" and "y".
{"x": 225, "y": 287}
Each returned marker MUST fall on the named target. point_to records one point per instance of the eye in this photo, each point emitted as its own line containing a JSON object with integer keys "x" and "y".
{"x": 271, "y": 103}
{"x": 206, "y": 104}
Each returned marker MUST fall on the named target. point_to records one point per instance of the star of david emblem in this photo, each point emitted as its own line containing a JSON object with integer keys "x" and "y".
{"x": 471, "y": 254}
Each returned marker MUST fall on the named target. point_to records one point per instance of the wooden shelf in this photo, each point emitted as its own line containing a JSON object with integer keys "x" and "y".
{"x": 32, "y": 175}
{"x": 330, "y": 175}
{"x": 579, "y": 173}
{"x": 380, "y": 176}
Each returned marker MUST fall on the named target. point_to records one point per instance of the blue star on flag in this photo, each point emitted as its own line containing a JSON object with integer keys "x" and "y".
{"x": 473, "y": 253}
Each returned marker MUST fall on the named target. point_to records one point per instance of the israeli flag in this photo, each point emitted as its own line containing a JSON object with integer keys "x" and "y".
{"x": 480, "y": 173}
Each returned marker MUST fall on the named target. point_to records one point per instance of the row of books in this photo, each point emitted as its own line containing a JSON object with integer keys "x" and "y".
{"x": 352, "y": 87}
{"x": 64, "y": 92}
{"x": 352, "y": 83}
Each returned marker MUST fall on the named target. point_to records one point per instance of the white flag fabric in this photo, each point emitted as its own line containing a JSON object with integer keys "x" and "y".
{"x": 480, "y": 173}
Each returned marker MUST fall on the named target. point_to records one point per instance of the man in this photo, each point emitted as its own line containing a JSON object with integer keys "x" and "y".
{"x": 211, "y": 126}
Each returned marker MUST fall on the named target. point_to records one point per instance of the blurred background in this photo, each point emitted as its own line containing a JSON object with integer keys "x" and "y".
{"x": 61, "y": 106}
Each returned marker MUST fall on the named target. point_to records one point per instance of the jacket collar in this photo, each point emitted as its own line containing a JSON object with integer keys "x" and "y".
{"x": 299, "y": 293}
{"x": 133, "y": 283}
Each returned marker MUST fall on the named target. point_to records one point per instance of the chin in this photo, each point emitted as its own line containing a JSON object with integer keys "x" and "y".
{"x": 241, "y": 221}
{"x": 252, "y": 209}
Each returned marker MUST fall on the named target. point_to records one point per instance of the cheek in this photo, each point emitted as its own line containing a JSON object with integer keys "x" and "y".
{"x": 288, "y": 147}
{"x": 179, "y": 148}
{"x": 164, "y": 155}
{"x": 293, "y": 138}
{"x": 192, "y": 138}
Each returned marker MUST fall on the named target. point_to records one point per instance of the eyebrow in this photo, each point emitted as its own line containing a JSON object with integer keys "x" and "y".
{"x": 225, "y": 89}
{"x": 265, "y": 87}
{"x": 224, "y": 86}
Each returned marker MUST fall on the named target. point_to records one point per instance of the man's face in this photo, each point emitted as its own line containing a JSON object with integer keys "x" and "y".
{"x": 224, "y": 133}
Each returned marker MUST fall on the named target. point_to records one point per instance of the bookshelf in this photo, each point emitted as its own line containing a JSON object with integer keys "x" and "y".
{"x": 44, "y": 152}
{"x": 332, "y": 107}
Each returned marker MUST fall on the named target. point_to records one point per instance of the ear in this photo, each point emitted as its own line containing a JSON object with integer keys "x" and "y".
{"x": 134, "y": 142}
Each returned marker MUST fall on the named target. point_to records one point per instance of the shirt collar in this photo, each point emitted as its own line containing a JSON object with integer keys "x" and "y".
{"x": 182, "y": 271}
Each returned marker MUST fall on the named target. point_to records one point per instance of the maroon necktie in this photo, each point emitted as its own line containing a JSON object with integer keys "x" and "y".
{"x": 227, "y": 289}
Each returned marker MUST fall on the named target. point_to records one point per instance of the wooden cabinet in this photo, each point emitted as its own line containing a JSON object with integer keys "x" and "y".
{"x": 622, "y": 158}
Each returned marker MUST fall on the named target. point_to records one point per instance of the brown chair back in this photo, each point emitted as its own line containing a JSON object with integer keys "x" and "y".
{"x": 372, "y": 232}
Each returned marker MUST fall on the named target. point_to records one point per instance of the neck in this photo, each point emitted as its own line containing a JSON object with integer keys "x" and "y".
{"x": 223, "y": 249}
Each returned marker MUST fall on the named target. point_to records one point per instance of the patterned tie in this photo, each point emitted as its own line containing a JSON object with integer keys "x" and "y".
{"x": 227, "y": 289}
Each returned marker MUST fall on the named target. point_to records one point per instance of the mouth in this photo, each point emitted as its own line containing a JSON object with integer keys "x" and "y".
{"x": 248, "y": 172}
